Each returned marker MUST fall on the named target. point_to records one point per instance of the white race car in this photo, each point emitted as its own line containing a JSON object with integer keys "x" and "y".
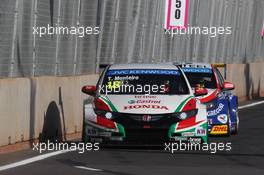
{"x": 140, "y": 103}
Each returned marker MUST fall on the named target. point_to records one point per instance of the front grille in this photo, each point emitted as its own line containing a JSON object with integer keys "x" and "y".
{"x": 135, "y": 121}
{"x": 145, "y": 136}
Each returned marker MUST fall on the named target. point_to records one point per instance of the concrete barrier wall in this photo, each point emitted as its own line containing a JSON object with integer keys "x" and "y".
{"x": 248, "y": 78}
{"x": 14, "y": 110}
{"x": 236, "y": 73}
{"x": 256, "y": 80}
{"x": 49, "y": 107}
{"x": 59, "y": 100}
{"x": 43, "y": 107}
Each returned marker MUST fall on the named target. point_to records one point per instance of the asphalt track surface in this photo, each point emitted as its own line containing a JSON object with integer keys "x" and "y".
{"x": 246, "y": 157}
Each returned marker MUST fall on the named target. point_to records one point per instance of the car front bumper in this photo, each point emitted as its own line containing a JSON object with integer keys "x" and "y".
{"x": 134, "y": 131}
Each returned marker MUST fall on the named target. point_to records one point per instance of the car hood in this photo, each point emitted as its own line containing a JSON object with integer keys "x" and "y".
{"x": 146, "y": 104}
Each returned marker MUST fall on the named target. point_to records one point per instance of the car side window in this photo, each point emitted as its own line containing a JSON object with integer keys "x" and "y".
{"x": 219, "y": 77}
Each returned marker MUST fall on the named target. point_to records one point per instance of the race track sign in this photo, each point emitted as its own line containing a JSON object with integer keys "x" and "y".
{"x": 176, "y": 14}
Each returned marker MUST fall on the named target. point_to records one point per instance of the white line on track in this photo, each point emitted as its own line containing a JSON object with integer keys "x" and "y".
{"x": 31, "y": 160}
{"x": 87, "y": 168}
{"x": 251, "y": 105}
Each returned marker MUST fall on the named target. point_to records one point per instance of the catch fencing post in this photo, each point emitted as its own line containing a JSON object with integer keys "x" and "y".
{"x": 14, "y": 38}
{"x": 35, "y": 10}
{"x": 77, "y": 38}
{"x": 58, "y": 39}
{"x": 99, "y": 41}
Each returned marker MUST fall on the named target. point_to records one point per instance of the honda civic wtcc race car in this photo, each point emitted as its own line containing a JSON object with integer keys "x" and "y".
{"x": 222, "y": 104}
{"x": 143, "y": 103}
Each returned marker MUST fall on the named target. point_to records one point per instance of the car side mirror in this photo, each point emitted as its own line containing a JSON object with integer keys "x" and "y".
{"x": 228, "y": 86}
{"x": 200, "y": 91}
{"x": 90, "y": 90}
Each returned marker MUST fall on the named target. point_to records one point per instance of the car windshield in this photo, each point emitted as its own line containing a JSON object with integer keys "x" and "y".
{"x": 200, "y": 77}
{"x": 144, "y": 81}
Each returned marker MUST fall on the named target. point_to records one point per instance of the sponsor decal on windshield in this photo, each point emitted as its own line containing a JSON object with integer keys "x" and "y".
{"x": 142, "y": 72}
{"x": 197, "y": 70}
{"x": 126, "y": 78}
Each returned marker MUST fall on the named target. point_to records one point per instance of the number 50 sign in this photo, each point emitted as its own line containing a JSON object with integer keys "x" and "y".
{"x": 176, "y": 14}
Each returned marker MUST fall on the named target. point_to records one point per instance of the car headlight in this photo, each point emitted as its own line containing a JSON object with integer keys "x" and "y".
{"x": 210, "y": 105}
{"x": 106, "y": 114}
{"x": 109, "y": 115}
{"x": 185, "y": 114}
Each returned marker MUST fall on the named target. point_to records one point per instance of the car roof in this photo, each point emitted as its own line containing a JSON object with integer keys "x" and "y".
{"x": 143, "y": 66}
{"x": 194, "y": 65}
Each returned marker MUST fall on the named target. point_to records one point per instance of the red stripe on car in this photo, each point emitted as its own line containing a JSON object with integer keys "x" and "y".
{"x": 105, "y": 122}
{"x": 187, "y": 123}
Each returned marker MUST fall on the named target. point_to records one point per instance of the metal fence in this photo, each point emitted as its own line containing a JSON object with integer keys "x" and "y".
{"x": 130, "y": 31}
